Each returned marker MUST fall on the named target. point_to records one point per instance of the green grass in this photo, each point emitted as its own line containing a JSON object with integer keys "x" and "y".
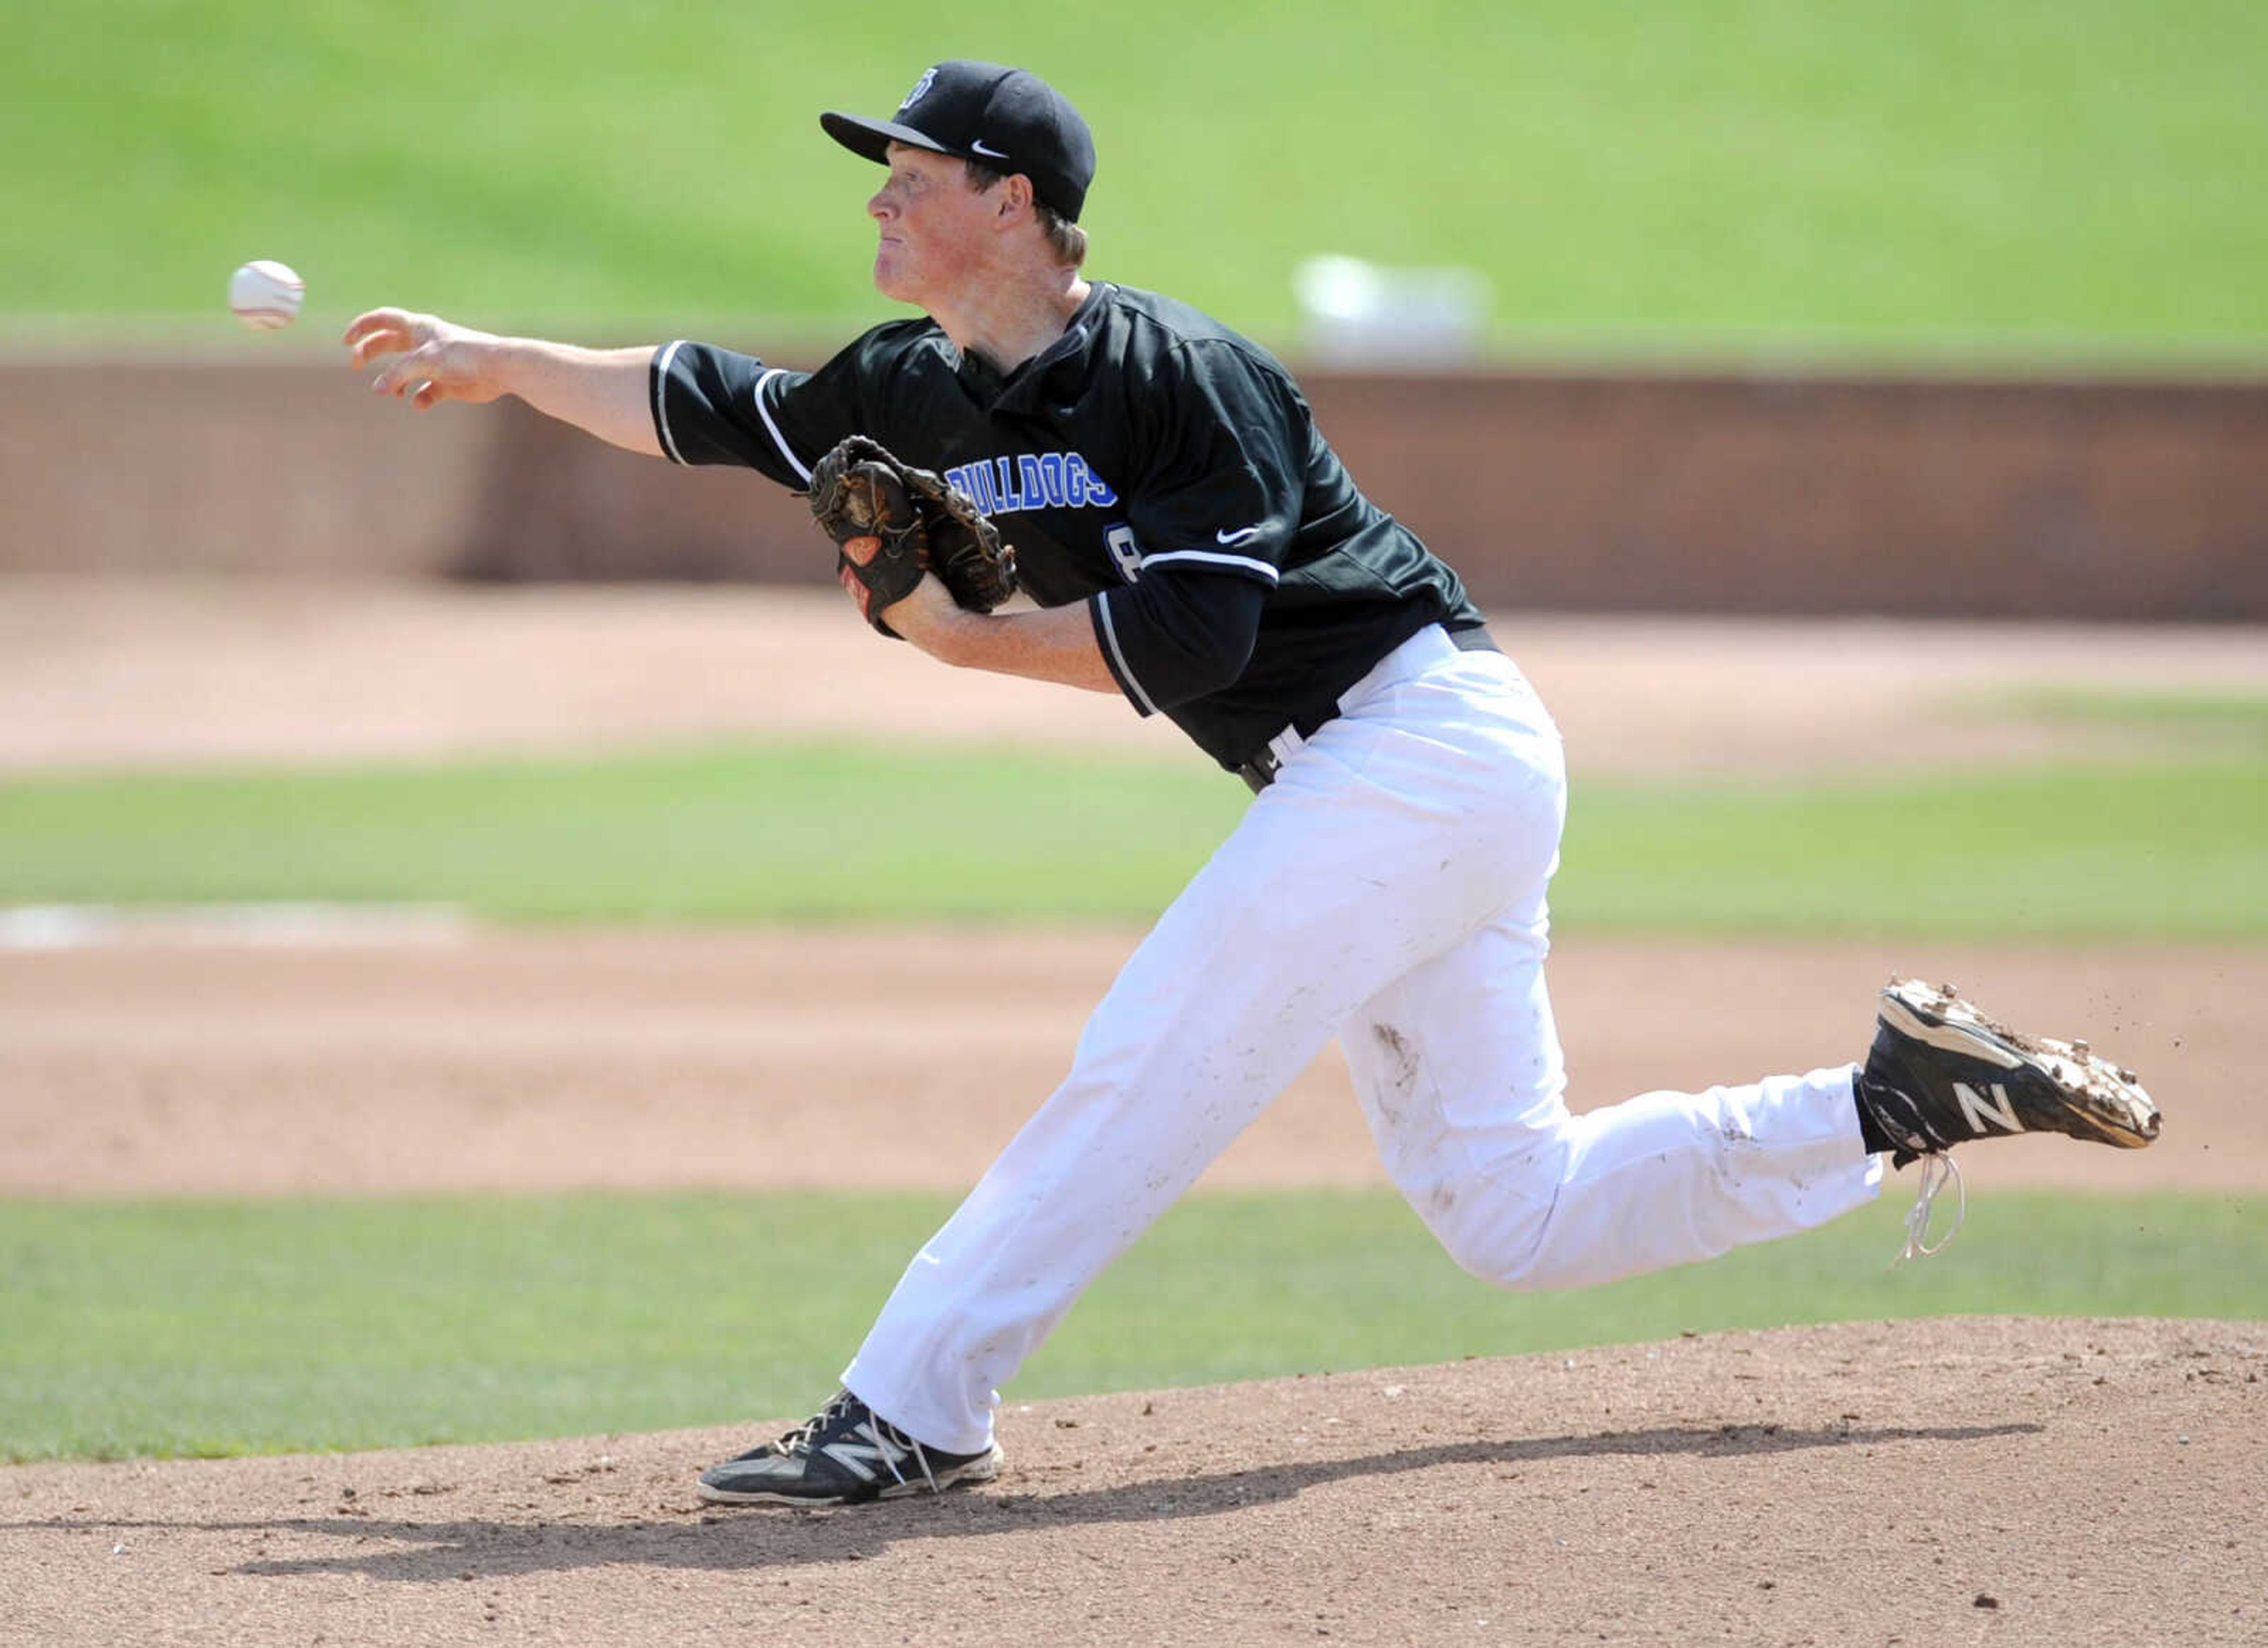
{"x": 210, "y": 1328}
{"x": 2171, "y": 849}
{"x": 1902, "y": 175}
{"x": 2195, "y": 721}
{"x": 784, "y": 833}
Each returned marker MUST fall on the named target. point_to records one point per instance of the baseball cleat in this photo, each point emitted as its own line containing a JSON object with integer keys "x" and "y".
{"x": 844, "y": 1454}
{"x": 1941, "y": 1073}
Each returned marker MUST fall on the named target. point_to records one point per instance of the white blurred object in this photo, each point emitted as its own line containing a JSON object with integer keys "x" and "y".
{"x": 266, "y": 294}
{"x": 37, "y": 927}
{"x": 1367, "y": 314}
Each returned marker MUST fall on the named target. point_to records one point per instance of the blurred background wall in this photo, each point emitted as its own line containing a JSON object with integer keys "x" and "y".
{"x": 2121, "y": 498}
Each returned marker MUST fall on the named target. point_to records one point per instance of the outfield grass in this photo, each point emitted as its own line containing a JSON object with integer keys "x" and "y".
{"x": 1896, "y": 175}
{"x": 2233, "y": 722}
{"x": 211, "y": 1329}
{"x": 2171, "y": 848}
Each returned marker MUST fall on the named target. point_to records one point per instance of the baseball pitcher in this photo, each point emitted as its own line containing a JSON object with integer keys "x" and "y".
{"x": 1155, "y": 483}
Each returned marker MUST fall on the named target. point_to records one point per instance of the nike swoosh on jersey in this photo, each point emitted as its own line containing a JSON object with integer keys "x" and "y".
{"x": 1241, "y": 535}
{"x": 978, "y": 145}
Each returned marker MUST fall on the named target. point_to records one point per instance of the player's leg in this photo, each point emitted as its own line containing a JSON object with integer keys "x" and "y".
{"x": 1375, "y": 848}
{"x": 1459, "y": 1069}
{"x": 1208, "y": 1020}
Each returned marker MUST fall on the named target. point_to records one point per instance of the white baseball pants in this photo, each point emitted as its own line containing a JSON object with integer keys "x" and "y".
{"x": 1388, "y": 888}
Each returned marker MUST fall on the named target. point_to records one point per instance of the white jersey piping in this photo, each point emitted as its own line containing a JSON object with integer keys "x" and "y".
{"x": 1241, "y": 563}
{"x": 778, "y": 440}
{"x": 1118, "y": 656}
{"x": 661, "y": 402}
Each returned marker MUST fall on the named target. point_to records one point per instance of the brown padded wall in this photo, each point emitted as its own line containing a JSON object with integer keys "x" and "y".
{"x": 1797, "y": 493}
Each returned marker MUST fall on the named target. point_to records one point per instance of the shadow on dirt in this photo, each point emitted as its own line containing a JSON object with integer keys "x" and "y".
{"x": 437, "y": 1552}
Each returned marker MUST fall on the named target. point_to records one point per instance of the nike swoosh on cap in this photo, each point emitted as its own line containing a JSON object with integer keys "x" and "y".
{"x": 977, "y": 145}
{"x": 1241, "y": 535}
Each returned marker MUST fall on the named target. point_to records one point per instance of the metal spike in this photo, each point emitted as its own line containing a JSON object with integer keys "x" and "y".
{"x": 2079, "y": 1047}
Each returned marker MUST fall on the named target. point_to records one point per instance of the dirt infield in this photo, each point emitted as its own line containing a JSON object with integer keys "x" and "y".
{"x": 1921, "y": 1482}
{"x": 524, "y": 1062}
{"x": 1954, "y": 1482}
{"x": 119, "y": 672}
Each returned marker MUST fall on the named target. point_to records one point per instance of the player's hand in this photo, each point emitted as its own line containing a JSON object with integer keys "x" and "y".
{"x": 438, "y": 360}
{"x": 919, "y": 613}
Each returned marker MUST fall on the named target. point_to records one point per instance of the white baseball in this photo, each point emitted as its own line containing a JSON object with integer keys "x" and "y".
{"x": 266, "y": 294}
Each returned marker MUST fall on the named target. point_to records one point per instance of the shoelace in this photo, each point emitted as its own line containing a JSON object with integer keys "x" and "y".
{"x": 797, "y": 1442}
{"x": 887, "y": 1436}
{"x": 1937, "y": 1168}
{"x": 890, "y": 1442}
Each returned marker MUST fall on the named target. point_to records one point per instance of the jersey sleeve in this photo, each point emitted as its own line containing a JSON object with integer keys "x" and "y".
{"x": 1221, "y": 485}
{"x": 1184, "y": 633}
{"x": 712, "y": 406}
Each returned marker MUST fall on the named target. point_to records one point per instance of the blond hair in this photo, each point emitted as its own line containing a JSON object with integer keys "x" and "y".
{"x": 1066, "y": 237}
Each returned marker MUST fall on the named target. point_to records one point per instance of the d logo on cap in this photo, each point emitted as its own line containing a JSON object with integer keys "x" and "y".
{"x": 928, "y": 79}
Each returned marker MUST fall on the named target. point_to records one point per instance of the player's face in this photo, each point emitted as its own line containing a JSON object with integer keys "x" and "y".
{"x": 932, "y": 226}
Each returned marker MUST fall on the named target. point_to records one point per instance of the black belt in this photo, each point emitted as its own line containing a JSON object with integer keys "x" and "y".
{"x": 1260, "y": 771}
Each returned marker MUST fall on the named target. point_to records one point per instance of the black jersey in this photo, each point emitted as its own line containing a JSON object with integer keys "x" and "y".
{"x": 1150, "y": 462}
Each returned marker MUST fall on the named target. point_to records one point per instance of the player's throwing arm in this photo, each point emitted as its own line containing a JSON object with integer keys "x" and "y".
{"x": 602, "y": 391}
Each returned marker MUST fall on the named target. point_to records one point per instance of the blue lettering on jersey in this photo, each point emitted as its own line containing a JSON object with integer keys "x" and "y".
{"x": 1059, "y": 480}
{"x": 976, "y": 481}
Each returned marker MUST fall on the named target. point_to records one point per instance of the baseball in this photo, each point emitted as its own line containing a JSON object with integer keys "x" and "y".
{"x": 265, "y": 295}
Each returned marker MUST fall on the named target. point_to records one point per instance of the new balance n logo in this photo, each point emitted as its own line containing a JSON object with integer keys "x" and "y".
{"x": 1978, "y": 1110}
{"x": 859, "y": 1457}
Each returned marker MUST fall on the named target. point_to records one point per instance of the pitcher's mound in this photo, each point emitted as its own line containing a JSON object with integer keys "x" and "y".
{"x": 1951, "y": 1481}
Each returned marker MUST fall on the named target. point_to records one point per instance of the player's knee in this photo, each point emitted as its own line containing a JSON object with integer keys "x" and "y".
{"x": 1491, "y": 1229}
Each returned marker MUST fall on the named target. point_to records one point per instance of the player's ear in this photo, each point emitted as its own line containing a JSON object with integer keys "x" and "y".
{"x": 1015, "y": 198}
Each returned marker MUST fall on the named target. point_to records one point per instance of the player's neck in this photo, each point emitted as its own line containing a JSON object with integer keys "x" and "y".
{"x": 1006, "y": 324}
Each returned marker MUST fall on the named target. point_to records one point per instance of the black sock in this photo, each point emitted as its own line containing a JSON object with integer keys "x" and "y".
{"x": 1870, "y": 1131}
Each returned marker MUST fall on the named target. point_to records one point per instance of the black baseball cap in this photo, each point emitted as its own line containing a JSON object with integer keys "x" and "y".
{"x": 1005, "y": 118}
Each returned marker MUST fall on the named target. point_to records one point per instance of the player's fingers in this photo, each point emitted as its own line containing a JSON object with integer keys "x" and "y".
{"x": 368, "y": 348}
{"x": 406, "y": 374}
{"x": 861, "y": 550}
{"x": 379, "y": 344}
{"x": 370, "y": 345}
{"x": 379, "y": 332}
{"x": 371, "y": 320}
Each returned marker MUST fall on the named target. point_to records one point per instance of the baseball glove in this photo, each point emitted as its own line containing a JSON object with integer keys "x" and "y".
{"x": 859, "y": 491}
